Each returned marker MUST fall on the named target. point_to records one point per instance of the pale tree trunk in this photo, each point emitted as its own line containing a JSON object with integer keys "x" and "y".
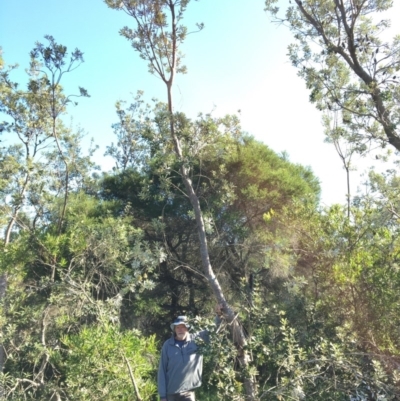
{"x": 18, "y": 207}
{"x": 161, "y": 51}
{"x": 238, "y": 334}
{"x": 239, "y": 337}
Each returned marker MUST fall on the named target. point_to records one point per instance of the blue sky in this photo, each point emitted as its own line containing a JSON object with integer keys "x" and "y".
{"x": 237, "y": 62}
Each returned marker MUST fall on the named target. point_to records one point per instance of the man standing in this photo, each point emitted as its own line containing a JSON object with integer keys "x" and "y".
{"x": 180, "y": 370}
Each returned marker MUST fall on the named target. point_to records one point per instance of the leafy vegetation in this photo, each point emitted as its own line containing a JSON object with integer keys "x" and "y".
{"x": 93, "y": 268}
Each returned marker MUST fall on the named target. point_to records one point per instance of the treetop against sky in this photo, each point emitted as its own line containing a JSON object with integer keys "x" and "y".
{"x": 238, "y": 62}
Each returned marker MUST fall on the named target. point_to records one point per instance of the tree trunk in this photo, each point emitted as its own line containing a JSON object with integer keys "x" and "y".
{"x": 239, "y": 337}
{"x": 164, "y": 60}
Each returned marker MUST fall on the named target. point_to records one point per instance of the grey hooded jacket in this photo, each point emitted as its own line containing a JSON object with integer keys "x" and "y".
{"x": 180, "y": 368}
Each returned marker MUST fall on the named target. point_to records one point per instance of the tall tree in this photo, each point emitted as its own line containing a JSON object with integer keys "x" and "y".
{"x": 38, "y": 146}
{"x": 33, "y": 116}
{"x": 343, "y": 56}
{"x": 237, "y": 179}
{"x": 157, "y": 38}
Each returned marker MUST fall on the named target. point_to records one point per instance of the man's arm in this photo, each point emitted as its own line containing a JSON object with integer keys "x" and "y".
{"x": 219, "y": 310}
{"x": 218, "y": 315}
{"x": 204, "y": 334}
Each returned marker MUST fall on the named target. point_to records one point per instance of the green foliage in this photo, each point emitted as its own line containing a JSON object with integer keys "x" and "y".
{"x": 44, "y": 157}
{"x": 97, "y": 360}
{"x": 349, "y": 68}
{"x": 344, "y": 286}
{"x": 93, "y": 274}
{"x": 222, "y": 376}
{"x": 263, "y": 181}
{"x": 334, "y": 370}
{"x": 158, "y": 33}
{"x": 237, "y": 179}
{"x": 61, "y": 284}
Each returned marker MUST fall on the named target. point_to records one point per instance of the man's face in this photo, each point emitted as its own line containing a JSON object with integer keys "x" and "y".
{"x": 181, "y": 332}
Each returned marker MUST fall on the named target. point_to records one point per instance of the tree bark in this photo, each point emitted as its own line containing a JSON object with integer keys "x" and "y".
{"x": 238, "y": 334}
{"x": 164, "y": 60}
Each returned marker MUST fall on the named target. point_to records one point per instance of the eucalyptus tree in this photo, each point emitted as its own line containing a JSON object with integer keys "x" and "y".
{"x": 36, "y": 147}
{"x": 343, "y": 55}
{"x": 238, "y": 180}
{"x": 157, "y": 38}
{"x": 33, "y": 117}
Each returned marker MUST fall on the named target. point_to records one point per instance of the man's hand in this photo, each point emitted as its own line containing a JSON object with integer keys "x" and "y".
{"x": 219, "y": 309}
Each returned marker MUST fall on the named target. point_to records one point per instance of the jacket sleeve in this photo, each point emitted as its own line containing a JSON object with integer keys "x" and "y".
{"x": 162, "y": 373}
{"x": 205, "y": 334}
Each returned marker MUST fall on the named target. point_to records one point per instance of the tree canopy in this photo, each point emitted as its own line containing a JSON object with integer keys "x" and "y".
{"x": 94, "y": 266}
{"x": 348, "y": 64}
